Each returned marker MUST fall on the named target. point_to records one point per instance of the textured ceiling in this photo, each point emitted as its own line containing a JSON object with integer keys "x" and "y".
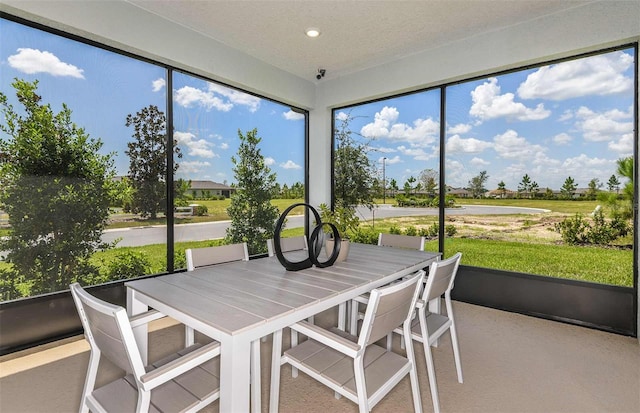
{"x": 355, "y": 34}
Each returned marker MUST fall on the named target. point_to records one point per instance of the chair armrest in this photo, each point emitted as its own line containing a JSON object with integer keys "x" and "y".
{"x": 328, "y": 338}
{"x": 145, "y": 318}
{"x": 182, "y": 364}
{"x": 363, "y": 298}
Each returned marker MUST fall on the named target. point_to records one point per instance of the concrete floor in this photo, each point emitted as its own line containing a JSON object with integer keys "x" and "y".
{"x": 511, "y": 363}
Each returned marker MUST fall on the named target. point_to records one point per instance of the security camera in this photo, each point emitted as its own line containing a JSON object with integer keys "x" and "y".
{"x": 320, "y": 74}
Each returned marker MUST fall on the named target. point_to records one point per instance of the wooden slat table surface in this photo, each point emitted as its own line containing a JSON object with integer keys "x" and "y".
{"x": 239, "y": 302}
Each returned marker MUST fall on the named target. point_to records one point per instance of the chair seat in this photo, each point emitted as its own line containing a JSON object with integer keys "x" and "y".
{"x": 380, "y": 366}
{"x": 436, "y": 324}
{"x": 181, "y": 394}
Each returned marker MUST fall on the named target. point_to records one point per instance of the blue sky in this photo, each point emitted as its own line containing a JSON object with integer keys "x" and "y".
{"x": 101, "y": 88}
{"x": 569, "y": 119}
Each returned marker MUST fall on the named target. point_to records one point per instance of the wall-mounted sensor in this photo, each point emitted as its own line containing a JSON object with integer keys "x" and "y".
{"x": 320, "y": 74}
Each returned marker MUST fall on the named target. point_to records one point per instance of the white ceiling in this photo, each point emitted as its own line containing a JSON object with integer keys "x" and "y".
{"x": 356, "y": 34}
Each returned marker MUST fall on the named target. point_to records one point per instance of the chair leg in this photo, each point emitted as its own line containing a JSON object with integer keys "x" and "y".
{"x": 276, "y": 355}
{"x": 456, "y": 349}
{"x": 413, "y": 374}
{"x": 431, "y": 370}
{"x": 90, "y": 381}
{"x": 256, "y": 386}
{"x": 353, "y": 323}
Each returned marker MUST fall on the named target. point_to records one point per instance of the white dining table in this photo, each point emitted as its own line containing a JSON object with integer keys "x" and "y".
{"x": 240, "y": 302}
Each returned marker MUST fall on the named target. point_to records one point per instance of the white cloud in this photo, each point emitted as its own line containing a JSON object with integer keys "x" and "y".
{"x": 391, "y": 161}
{"x": 511, "y": 146}
{"x": 383, "y": 149}
{"x": 32, "y": 61}
{"x": 624, "y": 146}
{"x": 488, "y": 103}
{"x": 290, "y": 165}
{"x": 562, "y": 139}
{"x": 269, "y": 161}
{"x": 456, "y": 144}
{"x": 189, "y": 167}
{"x": 215, "y": 97}
{"x": 460, "y": 128}
{"x": 418, "y": 154}
{"x": 422, "y": 133}
{"x": 597, "y": 75}
{"x": 604, "y": 126}
{"x": 379, "y": 128}
{"x": 196, "y": 147}
{"x": 342, "y": 116}
{"x": 567, "y": 115}
{"x": 224, "y": 146}
{"x": 236, "y": 97}
{"x": 189, "y": 96}
{"x": 158, "y": 84}
{"x": 479, "y": 162}
{"x": 291, "y": 115}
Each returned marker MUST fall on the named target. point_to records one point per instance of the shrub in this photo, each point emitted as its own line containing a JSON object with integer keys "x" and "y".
{"x": 577, "y": 230}
{"x": 128, "y": 264}
{"x": 450, "y": 230}
{"x": 200, "y": 210}
{"x": 365, "y": 236}
{"x": 395, "y": 230}
{"x": 411, "y": 230}
{"x": 431, "y": 231}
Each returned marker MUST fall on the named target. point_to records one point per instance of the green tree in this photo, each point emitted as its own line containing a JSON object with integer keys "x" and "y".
{"x": 148, "y": 161}
{"x": 180, "y": 196}
{"x": 534, "y": 189}
{"x": 569, "y": 188}
{"x": 593, "y": 188}
{"x": 55, "y": 188}
{"x": 502, "y": 188}
{"x": 429, "y": 179}
{"x": 625, "y": 169}
{"x": 476, "y": 184}
{"x": 353, "y": 171}
{"x": 393, "y": 185}
{"x": 253, "y": 217}
{"x": 525, "y": 185}
{"x": 613, "y": 184}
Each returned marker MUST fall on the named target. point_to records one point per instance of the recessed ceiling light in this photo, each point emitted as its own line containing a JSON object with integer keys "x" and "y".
{"x": 313, "y": 32}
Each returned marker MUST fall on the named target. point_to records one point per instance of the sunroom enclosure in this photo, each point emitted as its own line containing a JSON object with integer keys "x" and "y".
{"x": 415, "y": 73}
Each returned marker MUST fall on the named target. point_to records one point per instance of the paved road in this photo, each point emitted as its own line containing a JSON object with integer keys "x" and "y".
{"x": 136, "y": 236}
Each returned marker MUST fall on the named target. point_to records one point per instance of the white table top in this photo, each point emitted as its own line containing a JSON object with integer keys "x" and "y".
{"x": 237, "y": 296}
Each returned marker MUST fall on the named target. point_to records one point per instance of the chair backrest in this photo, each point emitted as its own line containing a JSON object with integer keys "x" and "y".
{"x": 201, "y": 257}
{"x": 441, "y": 277}
{"x": 401, "y": 241}
{"x": 288, "y": 244}
{"x": 389, "y": 307}
{"x": 107, "y": 328}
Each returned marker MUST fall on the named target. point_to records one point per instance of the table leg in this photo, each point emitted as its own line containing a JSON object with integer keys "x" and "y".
{"x": 235, "y": 359}
{"x": 141, "y": 333}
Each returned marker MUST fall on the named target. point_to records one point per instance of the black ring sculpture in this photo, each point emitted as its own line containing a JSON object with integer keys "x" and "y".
{"x": 314, "y": 242}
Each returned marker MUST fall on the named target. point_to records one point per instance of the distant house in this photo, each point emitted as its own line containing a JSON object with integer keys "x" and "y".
{"x": 207, "y": 189}
{"x": 499, "y": 193}
{"x": 458, "y": 192}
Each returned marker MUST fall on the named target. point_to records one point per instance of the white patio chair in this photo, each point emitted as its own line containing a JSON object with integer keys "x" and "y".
{"x": 185, "y": 381}
{"x": 428, "y": 327}
{"x": 204, "y": 257}
{"x": 288, "y": 244}
{"x": 385, "y": 240}
{"x": 355, "y": 367}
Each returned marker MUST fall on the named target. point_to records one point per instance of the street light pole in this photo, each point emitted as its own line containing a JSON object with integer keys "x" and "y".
{"x": 384, "y": 182}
